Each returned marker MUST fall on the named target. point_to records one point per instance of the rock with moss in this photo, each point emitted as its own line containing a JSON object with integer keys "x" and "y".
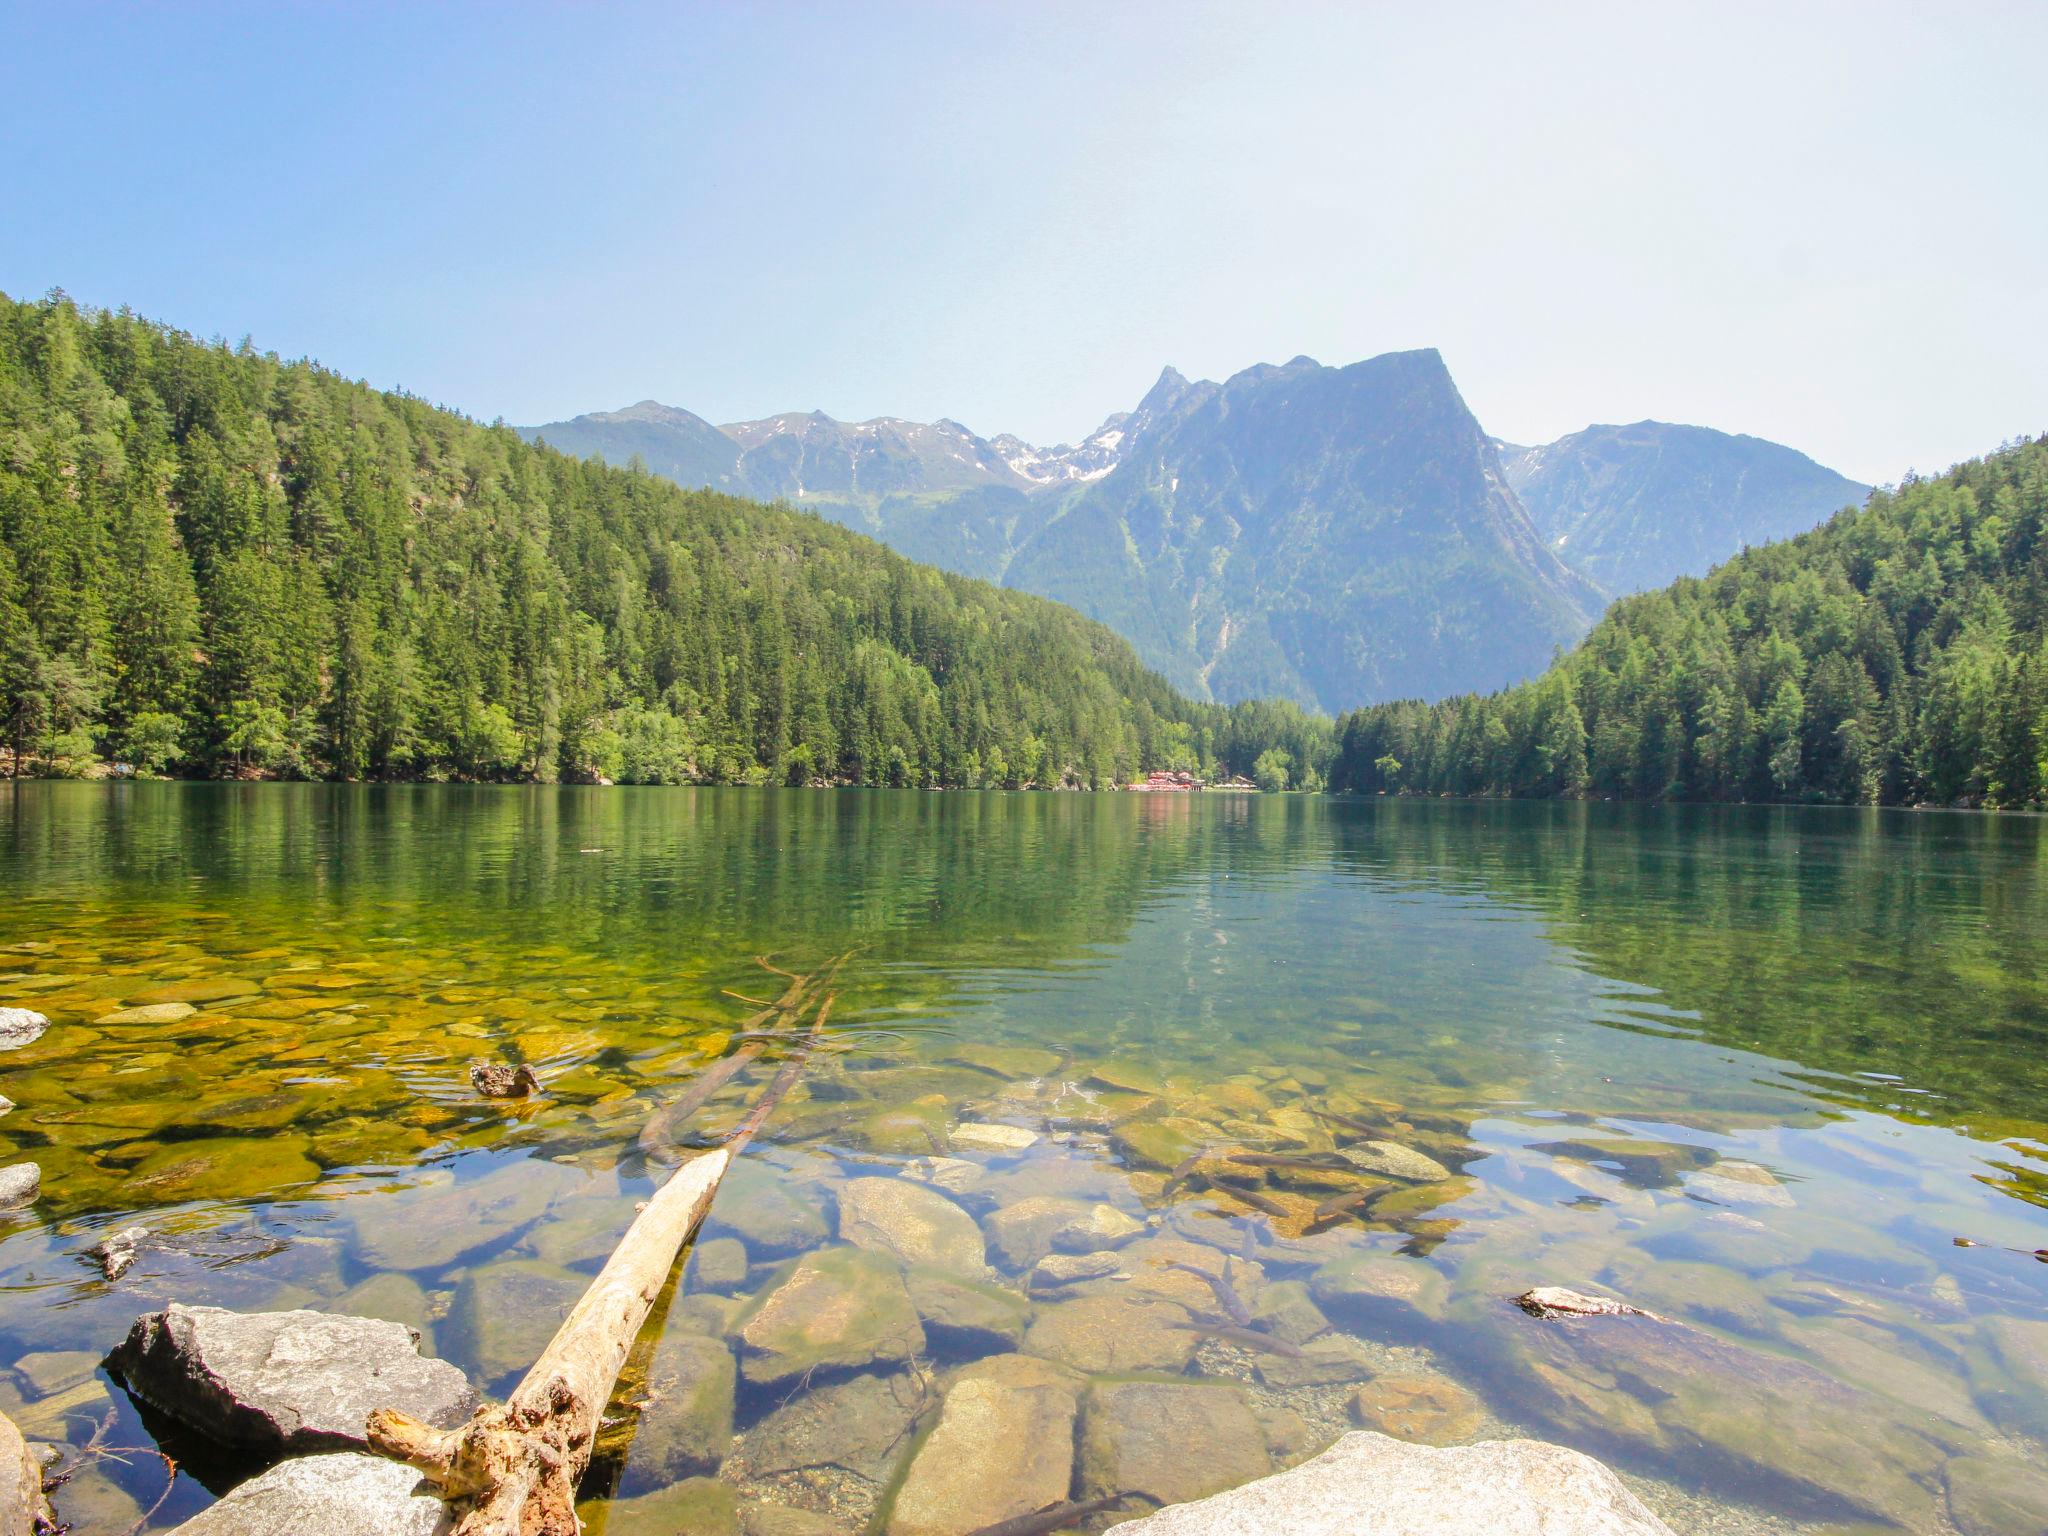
{"x": 841, "y": 1306}
{"x": 719, "y": 1264}
{"x": 686, "y": 1423}
{"x": 964, "y": 1316}
{"x": 1025, "y": 1231}
{"x": 918, "y": 1225}
{"x": 1003, "y": 1446}
{"x": 505, "y": 1314}
{"x": 1114, "y": 1332}
{"x": 1749, "y": 1412}
{"x": 1996, "y": 1496}
{"x": 1382, "y": 1288}
{"x": 1168, "y": 1441}
{"x": 859, "y": 1426}
{"x": 767, "y": 1211}
{"x": 1422, "y": 1408}
{"x": 701, "y": 1506}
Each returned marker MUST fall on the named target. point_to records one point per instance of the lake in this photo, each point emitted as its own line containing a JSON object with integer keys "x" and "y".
{"x": 1248, "y": 1114}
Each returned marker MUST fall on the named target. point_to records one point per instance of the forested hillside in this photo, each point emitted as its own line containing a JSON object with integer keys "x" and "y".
{"x": 215, "y": 562}
{"x": 1898, "y": 654}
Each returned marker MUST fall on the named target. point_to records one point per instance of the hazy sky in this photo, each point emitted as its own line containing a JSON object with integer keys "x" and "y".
{"x": 1821, "y": 224}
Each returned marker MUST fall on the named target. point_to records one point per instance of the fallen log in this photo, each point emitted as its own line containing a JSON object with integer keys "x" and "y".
{"x": 658, "y": 1136}
{"x": 516, "y": 1467}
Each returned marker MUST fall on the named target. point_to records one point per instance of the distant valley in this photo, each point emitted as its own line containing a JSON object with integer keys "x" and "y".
{"x": 1334, "y": 536}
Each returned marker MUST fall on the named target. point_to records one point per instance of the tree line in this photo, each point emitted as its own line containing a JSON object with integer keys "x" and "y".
{"x": 1896, "y": 655}
{"x": 214, "y": 562}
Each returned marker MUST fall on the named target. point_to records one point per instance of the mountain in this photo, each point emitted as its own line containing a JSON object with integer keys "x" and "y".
{"x": 672, "y": 443}
{"x": 1634, "y": 507}
{"x": 1326, "y": 535}
{"x": 1896, "y": 654}
{"x": 219, "y": 563}
{"x": 1329, "y": 535}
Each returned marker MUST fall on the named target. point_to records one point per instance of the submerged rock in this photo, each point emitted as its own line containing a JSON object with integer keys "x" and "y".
{"x": 1431, "y": 1410}
{"x": 347, "y": 1494}
{"x": 1381, "y": 1286}
{"x": 992, "y": 1135}
{"x": 685, "y": 1423}
{"x": 20, "y": 1184}
{"x": 224, "y": 1168}
{"x": 1717, "y": 1402}
{"x": 1026, "y": 1230}
{"x": 1114, "y": 1332}
{"x": 1003, "y": 1447}
{"x": 1988, "y": 1497}
{"x": 1394, "y": 1160}
{"x": 505, "y": 1314}
{"x": 920, "y": 1226}
{"x": 1168, "y": 1442}
{"x": 1059, "y": 1269}
{"x": 836, "y": 1307}
{"x": 757, "y": 1206}
{"x": 720, "y": 1264}
{"x": 284, "y": 1381}
{"x": 1368, "y": 1482}
{"x": 860, "y": 1426}
{"x": 149, "y": 1013}
{"x": 701, "y": 1506}
{"x": 19, "y": 1027}
{"x": 968, "y": 1316}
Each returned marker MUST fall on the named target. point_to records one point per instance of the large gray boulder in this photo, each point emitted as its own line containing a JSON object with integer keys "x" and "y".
{"x": 285, "y": 1381}
{"x": 347, "y": 1494}
{"x": 1370, "y": 1485}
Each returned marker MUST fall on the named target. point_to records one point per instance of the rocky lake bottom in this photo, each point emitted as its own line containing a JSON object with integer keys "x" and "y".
{"x": 1151, "y": 1147}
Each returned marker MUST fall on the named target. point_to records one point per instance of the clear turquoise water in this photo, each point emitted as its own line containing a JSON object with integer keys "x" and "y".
{"x": 1824, "y": 1032}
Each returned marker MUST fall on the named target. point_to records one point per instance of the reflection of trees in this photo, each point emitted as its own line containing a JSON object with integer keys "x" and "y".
{"x": 1850, "y": 941}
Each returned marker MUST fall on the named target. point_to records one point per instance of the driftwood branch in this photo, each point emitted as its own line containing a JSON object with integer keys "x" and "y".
{"x": 516, "y": 1467}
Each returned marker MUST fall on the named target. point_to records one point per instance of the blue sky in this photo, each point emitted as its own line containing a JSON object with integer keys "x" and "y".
{"x": 1818, "y": 223}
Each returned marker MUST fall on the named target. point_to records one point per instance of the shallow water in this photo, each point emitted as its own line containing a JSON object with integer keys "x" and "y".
{"x": 1754, "y": 1070}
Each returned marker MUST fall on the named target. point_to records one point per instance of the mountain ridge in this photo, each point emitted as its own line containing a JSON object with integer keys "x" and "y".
{"x": 1310, "y": 559}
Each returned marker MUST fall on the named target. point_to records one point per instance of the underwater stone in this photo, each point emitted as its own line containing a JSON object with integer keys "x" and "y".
{"x": 687, "y": 1427}
{"x": 506, "y": 1313}
{"x": 1168, "y": 1442}
{"x": 1117, "y": 1332}
{"x": 968, "y": 1316}
{"x": 1394, "y": 1160}
{"x": 1003, "y": 1447}
{"x": 836, "y": 1307}
{"x": 861, "y": 1426}
{"x": 1367, "y": 1481}
{"x": 756, "y": 1205}
{"x": 919, "y": 1226}
{"x": 348, "y": 1494}
{"x": 152, "y": 1013}
{"x": 284, "y": 1381}
{"x": 720, "y": 1264}
{"x": 1990, "y": 1497}
{"x": 702, "y": 1506}
{"x": 992, "y": 1135}
{"x": 1381, "y": 1284}
{"x": 1431, "y": 1410}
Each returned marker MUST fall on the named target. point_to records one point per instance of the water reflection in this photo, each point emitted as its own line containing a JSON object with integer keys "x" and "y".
{"x": 1262, "y": 1106}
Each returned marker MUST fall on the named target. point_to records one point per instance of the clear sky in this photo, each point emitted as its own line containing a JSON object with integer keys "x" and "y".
{"x": 1824, "y": 224}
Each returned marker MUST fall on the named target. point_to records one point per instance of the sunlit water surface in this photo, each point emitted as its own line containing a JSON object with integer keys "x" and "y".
{"x": 1757, "y": 1071}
